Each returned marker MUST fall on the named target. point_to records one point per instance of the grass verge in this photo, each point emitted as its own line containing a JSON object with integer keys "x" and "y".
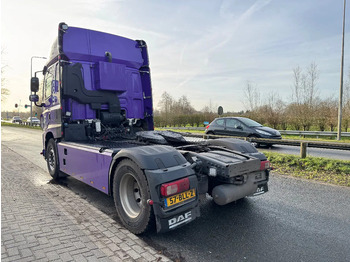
{"x": 18, "y": 125}
{"x": 314, "y": 168}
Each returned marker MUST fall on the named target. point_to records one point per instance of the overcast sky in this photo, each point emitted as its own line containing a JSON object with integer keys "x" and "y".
{"x": 204, "y": 49}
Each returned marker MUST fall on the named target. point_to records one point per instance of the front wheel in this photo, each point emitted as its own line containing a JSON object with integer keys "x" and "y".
{"x": 130, "y": 193}
{"x": 52, "y": 159}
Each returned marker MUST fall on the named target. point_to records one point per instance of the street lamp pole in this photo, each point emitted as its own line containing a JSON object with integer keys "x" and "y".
{"x": 340, "y": 108}
{"x": 31, "y": 73}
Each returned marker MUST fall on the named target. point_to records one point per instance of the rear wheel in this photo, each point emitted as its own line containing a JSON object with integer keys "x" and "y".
{"x": 210, "y": 133}
{"x": 131, "y": 192}
{"x": 52, "y": 159}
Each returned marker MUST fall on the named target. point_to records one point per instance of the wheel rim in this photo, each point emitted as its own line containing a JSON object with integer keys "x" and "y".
{"x": 130, "y": 195}
{"x": 51, "y": 159}
{"x": 254, "y": 144}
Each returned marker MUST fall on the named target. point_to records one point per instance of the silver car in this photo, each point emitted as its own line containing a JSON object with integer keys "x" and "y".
{"x": 35, "y": 121}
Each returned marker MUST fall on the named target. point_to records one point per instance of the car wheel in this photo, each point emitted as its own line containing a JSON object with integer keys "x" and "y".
{"x": 210, "y": 133}
{"x": 130, "y": 193}
{"x": 254, "y": 143}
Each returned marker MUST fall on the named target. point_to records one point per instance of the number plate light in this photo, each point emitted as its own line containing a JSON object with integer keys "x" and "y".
{"x": 264, "y": 165}
{"x": 172, "y": 188}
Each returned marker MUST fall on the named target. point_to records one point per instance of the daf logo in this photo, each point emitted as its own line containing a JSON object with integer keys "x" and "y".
{"x": 176, "y": 221}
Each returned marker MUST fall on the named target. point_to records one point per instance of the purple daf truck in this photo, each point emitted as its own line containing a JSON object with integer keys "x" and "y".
{"x": 97, "y": 126}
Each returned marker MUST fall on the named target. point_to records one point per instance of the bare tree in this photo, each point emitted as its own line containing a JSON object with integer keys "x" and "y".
{"x": 166, "y": 103}
{"x": 346, "y": 103}
{"x": 274, "y": 110}
{"x": 4, "y": 91}
{"x": 312, "y": 78}
{"x": 305, "y": 95}
{"x": 183, "y": 106}
{"x": 297, "y": 77}
{"x": 252, "y": 96}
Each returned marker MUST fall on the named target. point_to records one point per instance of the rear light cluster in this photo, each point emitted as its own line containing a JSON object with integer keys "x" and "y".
{"x": 207, "y": 127}
{"x": 265, "y": 165}
{"x": 176, "y": 187}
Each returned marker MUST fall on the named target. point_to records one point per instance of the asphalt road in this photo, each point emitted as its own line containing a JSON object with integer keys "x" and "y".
{"x": 297, "y": 220}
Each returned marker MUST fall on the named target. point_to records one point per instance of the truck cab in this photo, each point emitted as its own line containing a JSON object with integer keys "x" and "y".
{"x": 92, "y": 75}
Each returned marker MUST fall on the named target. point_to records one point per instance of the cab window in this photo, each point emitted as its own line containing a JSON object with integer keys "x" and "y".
{"x": 49, "y": 78}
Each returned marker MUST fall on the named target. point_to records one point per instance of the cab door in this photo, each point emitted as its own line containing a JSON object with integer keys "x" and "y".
{"x": 51, "y": 116}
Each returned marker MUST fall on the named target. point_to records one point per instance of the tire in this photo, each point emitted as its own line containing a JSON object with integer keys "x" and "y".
{"x": 130, "y": 193}
{"x": 53, "y": 164}
{"x": 210, "y": 133}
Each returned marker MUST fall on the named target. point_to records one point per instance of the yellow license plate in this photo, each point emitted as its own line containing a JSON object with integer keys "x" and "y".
{"x": 173, "y": 200}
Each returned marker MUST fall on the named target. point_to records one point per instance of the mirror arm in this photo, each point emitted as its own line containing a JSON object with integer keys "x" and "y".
{"x": 37, "y": 72}
{"x": 41, "y": 105}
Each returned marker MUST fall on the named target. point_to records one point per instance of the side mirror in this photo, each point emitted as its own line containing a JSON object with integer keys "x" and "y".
{"x": 240, "y": 127}
{"x": 34, "y": 98}
{"x": 34, "y": 84}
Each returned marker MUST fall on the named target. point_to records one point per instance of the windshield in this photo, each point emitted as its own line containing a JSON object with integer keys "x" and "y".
{"x": 249, "y": 122}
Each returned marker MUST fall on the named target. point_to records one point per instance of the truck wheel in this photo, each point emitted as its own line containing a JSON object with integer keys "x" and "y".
{"x": 52, "y": 159}
{"x": 131, "y": 192}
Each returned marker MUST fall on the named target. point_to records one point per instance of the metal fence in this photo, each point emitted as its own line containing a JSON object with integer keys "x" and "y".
{"x": 303, "y": 144}
{"x": 283, "y": 132}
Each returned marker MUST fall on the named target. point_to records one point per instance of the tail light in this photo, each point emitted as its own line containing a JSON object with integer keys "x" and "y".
{"x": 172, "y": 188}
{"x": 264, "y": 165}
{"x": 207, "y": 127}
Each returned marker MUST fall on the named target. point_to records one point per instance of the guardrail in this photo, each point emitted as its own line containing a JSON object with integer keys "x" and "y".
{"x": 303, "y": 144}
{"x": 283, "y": 132}
{"x": 313, "y": 133}
{"x": 288, "y": 142}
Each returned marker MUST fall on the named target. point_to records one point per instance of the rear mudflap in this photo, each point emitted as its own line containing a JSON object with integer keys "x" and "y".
{"x": 178, "y": 220}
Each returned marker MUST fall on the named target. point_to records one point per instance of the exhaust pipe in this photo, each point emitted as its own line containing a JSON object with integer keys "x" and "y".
{"x": 227, "y": 193}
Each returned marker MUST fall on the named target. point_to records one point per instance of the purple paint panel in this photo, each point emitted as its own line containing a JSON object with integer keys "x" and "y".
{"x": 80, "y": 111}
{"x": 111, "y": 76}
{"x": 132, "y": 99}
{"x": 87, "y": 45}
{"x": 127, "y": 74}
{"x": 85, "y": 164}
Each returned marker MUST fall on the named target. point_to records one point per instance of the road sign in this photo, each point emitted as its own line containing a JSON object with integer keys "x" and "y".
{"x": 220, "y": 110}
